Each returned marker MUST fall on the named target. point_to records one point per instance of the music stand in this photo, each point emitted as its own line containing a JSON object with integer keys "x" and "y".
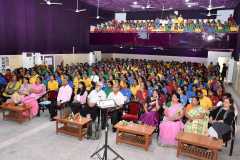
{"x": 109, "y": 106}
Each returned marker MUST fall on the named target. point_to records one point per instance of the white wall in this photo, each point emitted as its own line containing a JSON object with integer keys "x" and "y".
{"x": 230, "y": 72}
{"x": 223, "y": 15}
{"x": 160, "y": 57}
{"x": 70, "y": 58}
{"x": 16, "y": 61}
{"x": 236, "y": 79}
{"x": 214, "y": 55}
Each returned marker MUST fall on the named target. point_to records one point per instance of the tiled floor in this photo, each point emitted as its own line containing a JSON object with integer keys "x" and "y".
{"x": 37, "y": 140}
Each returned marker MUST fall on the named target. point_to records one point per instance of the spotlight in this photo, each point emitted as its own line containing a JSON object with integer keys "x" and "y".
{"x": 135, "y": 3}
{"x": 189, "y": 6}
{"x": 210, "y": 37}
{"x": 187, "y": 1}
{"x": 48, "y": 3}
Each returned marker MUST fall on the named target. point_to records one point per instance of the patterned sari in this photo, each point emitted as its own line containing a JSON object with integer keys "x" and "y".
{"x": 197, "y": 126}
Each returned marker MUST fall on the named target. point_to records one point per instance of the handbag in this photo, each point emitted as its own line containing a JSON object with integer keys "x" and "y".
{"x": 221, "y": 128}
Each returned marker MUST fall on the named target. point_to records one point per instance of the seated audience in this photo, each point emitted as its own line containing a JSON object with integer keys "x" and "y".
{"x": 171, "y": 124}
{"x": 205, "y": 101}
{"x": 3, "y": 82}
{"x": 126, "y": 92}
{"x": 197, "y": 118}
{"x": 12, "y": 87}
{"x": 183, "y": 97}
{"x": 22, "y": 92}
{"x": 80, "y": 98}
{"x": 142, "y": 94}
{"x": 52, "y": 84}
{"x": 93, "y": 99}
{"x": 8, "y": 75}
{"x": 221, "y": 120}
{"x": 108, "y": 89}
{"x": 128, "y": 76}
{"x": 214, "y": 97}
{"x": 119, "y": 100}
{"x": 94, "y": 77}
{"x": 176, "y": 24}
{"x": 76, "y": 81}
{"x": 36, "y": 91}
{"x": 150, "y": 115}
{"x": 33, "y": 77}
{"x": 63, "y": 97}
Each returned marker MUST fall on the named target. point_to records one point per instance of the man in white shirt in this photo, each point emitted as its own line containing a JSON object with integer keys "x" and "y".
{"x": 64, "y": 96}
{"x": 119, "y": 100}
{"x": 117, "y": 96}
{"x": 64, "y": 93}
{"x": 93, "y": 98}
{"x": 96, "y": 95}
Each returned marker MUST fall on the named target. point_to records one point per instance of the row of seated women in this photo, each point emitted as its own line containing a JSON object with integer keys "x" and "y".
{"x": 170, "y": 25}
{"x": 23, "y": 93}
{"x": 216, "y": 123}
{"x": 181, "y": 92}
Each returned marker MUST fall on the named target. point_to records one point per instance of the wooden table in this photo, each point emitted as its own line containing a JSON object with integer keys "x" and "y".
{"x": 77, "y": 128}
{"x": 16, "y": 112}
{"x": 134, "y": 134}
{"x": 198, "y": 146}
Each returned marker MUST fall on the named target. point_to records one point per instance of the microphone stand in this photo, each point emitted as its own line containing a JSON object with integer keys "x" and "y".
{"x": 106, "y": 147}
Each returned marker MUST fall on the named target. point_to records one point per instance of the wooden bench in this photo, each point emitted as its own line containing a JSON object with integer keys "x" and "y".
{"x": 15, "y": 112}
{"x": 198, "y": 146}
{"x": 134, "y": 134}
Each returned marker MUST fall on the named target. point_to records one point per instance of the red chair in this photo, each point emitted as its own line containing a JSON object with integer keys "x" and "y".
{"x": 133, "y": 110}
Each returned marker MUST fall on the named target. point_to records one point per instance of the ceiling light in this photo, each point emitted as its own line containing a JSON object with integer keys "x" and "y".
{"x": 210, "y": 37}
{"x": 135, "y": 3}
{"x": 187, "y": 1}
{"x": 98, "y": 17}
{"x": 143, "y": 7}
{"x": 189, "y": 6}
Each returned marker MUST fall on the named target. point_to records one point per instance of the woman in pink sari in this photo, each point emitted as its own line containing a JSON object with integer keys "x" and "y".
{"x": 171, "y": 124}
{"x": 36, "y": 91}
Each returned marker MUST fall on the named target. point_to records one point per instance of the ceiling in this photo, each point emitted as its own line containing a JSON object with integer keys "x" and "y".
{"x": 119, "y": 5}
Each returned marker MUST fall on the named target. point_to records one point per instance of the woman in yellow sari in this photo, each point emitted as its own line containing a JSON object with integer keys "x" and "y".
{"x": 12, "y": 87}
{"x": 197, "y": 118}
